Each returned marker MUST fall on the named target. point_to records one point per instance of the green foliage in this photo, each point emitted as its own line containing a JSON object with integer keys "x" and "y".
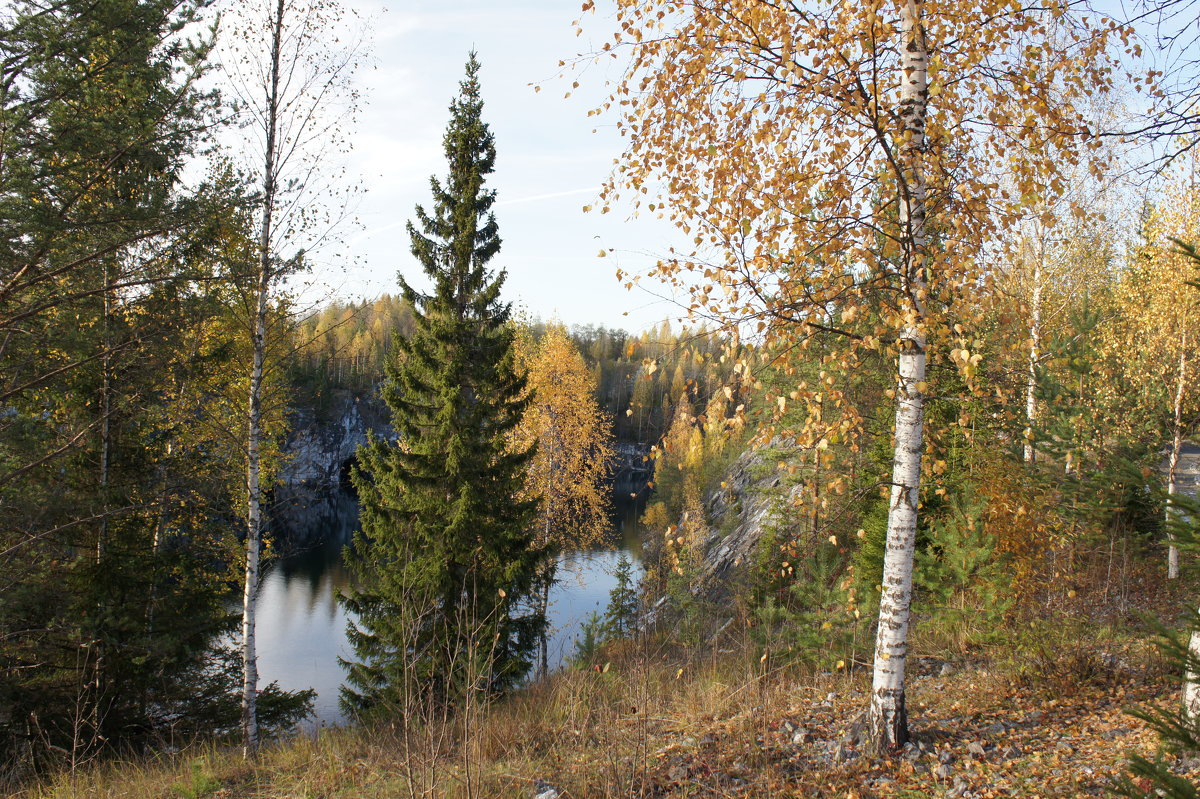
{"x": 445, "y": 563}
{"x": 620, "y": 616}
{"x": 801, "y": 602}
{"x": 1177, "y": 728}
{"x": 959, "y": 578}
{"x": 868, "y": 555}
{"x": 963, "y": 583}
{"x": 114, "y": 488}
{"x": 1178, "y": 731}
{"x": 689, "y": 612}
{"x": 591, "y": 638}
{"x": 618, "y": 622}
{"x": 200, "y": 786}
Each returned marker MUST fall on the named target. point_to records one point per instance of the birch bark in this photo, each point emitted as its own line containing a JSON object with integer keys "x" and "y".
{"x": 1035, "y": 342}
{"x": 887, "y": 716}
{"x": 254, "y": 408}
{"x": 1191, "y": 680}
{"x": 1176, "y": 448}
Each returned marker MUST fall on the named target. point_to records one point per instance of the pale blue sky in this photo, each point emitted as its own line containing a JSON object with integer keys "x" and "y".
{"x": 549, "y": 162}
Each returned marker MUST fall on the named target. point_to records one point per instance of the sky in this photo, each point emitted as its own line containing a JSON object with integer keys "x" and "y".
{"x": 551, "y": 157}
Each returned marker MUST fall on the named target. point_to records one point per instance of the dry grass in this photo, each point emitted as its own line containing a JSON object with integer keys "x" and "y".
{"x": 589, "y": 732}
{"x": 660, "y": 723}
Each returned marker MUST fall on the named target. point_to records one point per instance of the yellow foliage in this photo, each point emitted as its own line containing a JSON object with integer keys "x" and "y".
{"x": 574, "y": 442}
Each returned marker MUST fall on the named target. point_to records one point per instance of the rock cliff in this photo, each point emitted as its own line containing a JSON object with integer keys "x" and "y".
{"x": 320, "y": 449}
{"x": 739, "y": 514}
{"x": 632, "y": 469}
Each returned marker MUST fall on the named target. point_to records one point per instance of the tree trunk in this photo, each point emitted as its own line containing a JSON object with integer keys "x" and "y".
{"x": 544, "y": 665}
{"x": 253, "y": 531}
{"x": 254, "y": 409}
{"x": 1035, "y": 343}
{"x": 887, "y": 717}
{"x": 1191, "y": 681}
{"x": 1173, "y": 463}
{"x": 98, "y": 642}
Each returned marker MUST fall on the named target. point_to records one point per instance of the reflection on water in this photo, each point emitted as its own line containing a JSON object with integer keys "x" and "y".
{"x": 302, "y": 626}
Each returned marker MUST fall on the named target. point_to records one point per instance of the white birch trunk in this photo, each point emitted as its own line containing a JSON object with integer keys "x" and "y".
{"x": 1035, "y": 343}
{"x": 548, "y": 572}
{"x": 254, "y": 411}
{"x": 1173, "y": 463}
{"x": 97, "y": 642}
{"x": 253, "y": 530}
{"x": 887, "y": 717}
{"x": 1191, "y": 681}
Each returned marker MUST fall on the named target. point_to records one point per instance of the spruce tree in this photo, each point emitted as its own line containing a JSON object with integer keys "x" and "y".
{"x": 444, "y": 561}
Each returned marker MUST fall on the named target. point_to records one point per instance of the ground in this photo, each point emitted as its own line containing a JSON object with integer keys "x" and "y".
{"x": 723, "y": 724}
{"x": 975, "y": 734}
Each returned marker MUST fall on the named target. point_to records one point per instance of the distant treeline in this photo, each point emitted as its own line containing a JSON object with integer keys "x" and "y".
{"x": 640, "y": 377}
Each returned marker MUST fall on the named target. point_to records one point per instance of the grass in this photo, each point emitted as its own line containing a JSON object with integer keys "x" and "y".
{"x": 1045, "y": 715}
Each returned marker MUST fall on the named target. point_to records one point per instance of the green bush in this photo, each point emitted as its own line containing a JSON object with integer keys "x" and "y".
{"x": 961, "y": 584}
{"x": 961, "y": 581}
{"x": 202, "y": 784}
{"x": 587, "y": 645}
{"x": 803, "y": 608}
{"x": 620, "y": 616}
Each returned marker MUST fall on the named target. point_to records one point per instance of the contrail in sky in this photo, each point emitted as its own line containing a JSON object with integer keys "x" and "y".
{"x": 366, "y": 234}
{"x": 549, "y": 196}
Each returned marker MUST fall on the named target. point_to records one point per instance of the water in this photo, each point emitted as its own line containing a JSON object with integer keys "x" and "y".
{"x": 302, "y": 626}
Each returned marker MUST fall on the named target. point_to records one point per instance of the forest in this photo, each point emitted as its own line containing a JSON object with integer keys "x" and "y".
{"x": 897, "y": 498}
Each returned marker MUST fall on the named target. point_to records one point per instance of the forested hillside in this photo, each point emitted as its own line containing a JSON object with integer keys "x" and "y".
{"x": 344, "y": 346}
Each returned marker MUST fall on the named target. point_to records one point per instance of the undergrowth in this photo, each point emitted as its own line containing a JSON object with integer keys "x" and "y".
{"x": 647, "y": 717}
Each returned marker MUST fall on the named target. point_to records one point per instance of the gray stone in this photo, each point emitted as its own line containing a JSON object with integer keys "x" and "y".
{"x": 544, "y": 790}
{"x": 316, "y": 450}
{"x": 976, "y": 749}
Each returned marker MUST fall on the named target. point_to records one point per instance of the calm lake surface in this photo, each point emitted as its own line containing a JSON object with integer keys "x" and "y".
{"x": 302, "y": 626}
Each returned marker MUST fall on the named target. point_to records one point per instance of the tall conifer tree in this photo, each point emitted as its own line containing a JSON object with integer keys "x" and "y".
{"x": 444, "y": 559}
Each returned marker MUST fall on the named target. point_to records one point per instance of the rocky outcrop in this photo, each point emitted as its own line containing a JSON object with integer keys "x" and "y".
{"x": 739, "y": 514}
{"x": 632, "y": 470}
{"x": 320, "y": 449}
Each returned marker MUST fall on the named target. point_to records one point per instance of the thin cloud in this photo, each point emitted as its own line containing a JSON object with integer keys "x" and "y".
{"x": 550, "y": 196}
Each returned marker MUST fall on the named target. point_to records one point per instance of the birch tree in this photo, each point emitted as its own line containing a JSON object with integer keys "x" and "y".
{"x": 1052, "y": 262}
{"x": 1189, "y": 655}
{"x": 296, "y": 101}
{"x": 1156, "y": 307}
{"x": 823, "y": 158}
